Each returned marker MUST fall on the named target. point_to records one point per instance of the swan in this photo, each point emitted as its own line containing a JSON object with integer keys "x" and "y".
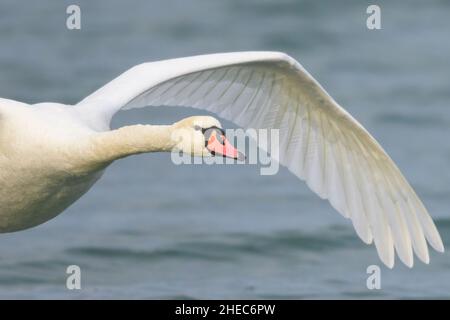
{"x": 52, "y": 153}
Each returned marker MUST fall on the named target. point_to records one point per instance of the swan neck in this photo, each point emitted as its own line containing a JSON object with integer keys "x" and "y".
{"x": 135, "y": 139}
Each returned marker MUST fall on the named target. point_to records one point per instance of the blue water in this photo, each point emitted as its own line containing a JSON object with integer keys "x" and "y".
{"x": 150, "y": 229}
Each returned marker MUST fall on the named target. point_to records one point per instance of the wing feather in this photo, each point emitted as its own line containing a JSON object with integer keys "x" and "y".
{"x": 319, "y": 141}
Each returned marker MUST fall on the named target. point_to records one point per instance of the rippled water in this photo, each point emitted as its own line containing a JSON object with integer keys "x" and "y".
{"x": 150, "y": 229}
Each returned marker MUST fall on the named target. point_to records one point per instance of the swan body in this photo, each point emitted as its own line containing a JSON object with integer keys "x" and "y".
{"x": 51, "y": 154}
{"x": 44, "y": 167}
{"x": 51, "y": 157}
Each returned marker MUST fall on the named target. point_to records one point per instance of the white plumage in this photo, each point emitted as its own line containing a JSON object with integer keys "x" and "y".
{"x": 319, "y": 141}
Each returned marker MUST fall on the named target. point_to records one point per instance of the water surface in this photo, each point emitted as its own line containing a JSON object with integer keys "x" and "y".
{"x": 149, "y": 229}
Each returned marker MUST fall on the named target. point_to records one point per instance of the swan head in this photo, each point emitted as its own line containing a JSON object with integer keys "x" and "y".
{"x": 203, "y": 136}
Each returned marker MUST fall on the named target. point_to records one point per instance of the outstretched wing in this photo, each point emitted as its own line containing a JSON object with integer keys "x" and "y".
{"x": 319, "y": 141}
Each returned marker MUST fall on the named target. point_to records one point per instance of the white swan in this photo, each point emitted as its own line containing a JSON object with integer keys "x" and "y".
{"x": 51, "y": 154}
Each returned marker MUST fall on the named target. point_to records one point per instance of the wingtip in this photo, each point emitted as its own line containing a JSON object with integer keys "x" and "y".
{"x": 437, "y": 244}
{"x": 409, "y": 263}
{"x": 389, "y": 263}
{"x": 423, "y": 254}
{"x": 388, "y": 260}
{"x": 408, "y": 259}
{"x": 424, "y": 258}
{"x": 440, "y": 248}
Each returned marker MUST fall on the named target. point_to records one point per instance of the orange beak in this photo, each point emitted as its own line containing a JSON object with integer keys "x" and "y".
{"x": 221, "y": 146}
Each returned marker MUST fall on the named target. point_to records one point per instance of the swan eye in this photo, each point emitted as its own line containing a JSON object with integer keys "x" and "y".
{"x": 196, "y": 127}
{"x": 220, "y": 134}
{"x": 210, "y": 130}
